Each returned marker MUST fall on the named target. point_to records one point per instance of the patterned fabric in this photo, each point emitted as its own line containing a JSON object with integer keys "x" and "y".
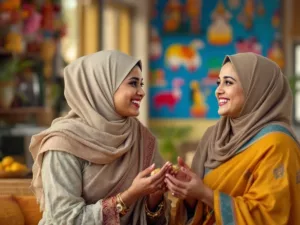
{"x": 110, "y": 214}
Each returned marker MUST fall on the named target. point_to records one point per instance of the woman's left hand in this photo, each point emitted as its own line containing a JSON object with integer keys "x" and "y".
{"x": 156, "y": 197}
{"x": 193, "y": 189}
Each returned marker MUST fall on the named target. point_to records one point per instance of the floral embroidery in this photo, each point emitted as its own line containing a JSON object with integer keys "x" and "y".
{"x": 298, "y": 177}
{"x": 109, "y": 211}
{"x": 278, "y": 172}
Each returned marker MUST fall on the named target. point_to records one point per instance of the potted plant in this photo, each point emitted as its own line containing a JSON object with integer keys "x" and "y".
{"x": 168, "y": 139}
{"x": 9, "y": 70}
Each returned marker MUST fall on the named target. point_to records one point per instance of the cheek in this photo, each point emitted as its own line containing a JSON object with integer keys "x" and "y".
{"x": 240, "y": 100}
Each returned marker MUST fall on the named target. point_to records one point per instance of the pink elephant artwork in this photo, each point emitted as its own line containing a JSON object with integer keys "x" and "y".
{"x": 169, "y": 98}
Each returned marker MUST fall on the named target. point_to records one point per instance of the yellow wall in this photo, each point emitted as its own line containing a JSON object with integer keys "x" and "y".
{"x": 89, "y": 28}
{"x": 125, "y": 30}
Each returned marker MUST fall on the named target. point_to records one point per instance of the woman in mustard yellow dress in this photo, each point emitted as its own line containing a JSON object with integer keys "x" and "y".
{"x": 246, "y": 169}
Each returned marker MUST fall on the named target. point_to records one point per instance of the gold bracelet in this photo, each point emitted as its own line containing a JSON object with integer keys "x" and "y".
{"x": 121, "y": 206}
{"x": 157, "y": 213}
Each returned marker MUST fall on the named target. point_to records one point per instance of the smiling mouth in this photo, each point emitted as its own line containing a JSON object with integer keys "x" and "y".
{"x": 136, "y": 103}
{"x": 223, "y": 102}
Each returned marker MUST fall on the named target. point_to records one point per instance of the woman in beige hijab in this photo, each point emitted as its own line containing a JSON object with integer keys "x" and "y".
{"x": 246, "y": 169}
{"x": 93, "y": 165}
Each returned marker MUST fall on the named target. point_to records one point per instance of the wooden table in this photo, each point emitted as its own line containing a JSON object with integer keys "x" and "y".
{"x": 15, "y": 187}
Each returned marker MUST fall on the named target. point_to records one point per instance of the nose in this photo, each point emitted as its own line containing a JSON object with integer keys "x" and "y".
{"x": 219, "y": 90}
{"x": 141, "y": 92}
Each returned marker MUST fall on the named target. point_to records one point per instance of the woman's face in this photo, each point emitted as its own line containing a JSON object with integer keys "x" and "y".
{"x": 130, "y": 93}
{"x": 230, "y": 94}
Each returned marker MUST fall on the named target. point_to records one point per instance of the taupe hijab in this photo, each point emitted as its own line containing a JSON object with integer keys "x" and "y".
{"x": 268, "y": 100}
{"x": 93, "y": 131}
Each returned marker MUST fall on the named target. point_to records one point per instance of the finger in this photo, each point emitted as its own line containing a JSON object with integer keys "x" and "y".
{"x": 175, "y": 181}
{"x": 176, "y": 191}
{"x": 182, "y": 163}
{"x": 158, "y": 182}
{"x": 178, "y": 195}
{"x": 165, "y": 168}
{"x": 161, "y": 173}
{"x": 172, "y": 187}
{"x": 161, "y": 188}
{"x": 147, "y": 171}
{"x": 187, "y": 172}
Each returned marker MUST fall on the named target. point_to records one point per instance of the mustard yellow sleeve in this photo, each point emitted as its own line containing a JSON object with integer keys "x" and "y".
{"x": 269, "y": 197}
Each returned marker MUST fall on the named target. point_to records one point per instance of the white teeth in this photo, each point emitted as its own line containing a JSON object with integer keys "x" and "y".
{"x": 136, "y": 102}
{"x": 223, "y": 100}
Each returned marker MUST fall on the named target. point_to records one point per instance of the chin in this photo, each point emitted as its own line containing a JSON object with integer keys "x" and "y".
{"x": 223, "y": 114}
{"x": 133, "y": 114}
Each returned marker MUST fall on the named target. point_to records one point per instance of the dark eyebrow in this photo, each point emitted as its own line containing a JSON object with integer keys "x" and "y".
{"x": 229, "y": 77}
{"x": 135, "y": 78}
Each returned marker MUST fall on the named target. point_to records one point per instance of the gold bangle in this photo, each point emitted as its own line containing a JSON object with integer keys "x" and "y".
{"x": 121, "y": 200}
{"x": 123, "y": 209}
{"x": 157, "y": 213}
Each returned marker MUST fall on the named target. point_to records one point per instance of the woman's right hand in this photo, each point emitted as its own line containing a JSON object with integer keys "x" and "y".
{"x": 144, "y": 184}
{"x": 190, "y": 202}
{"x": 180, "y": 175}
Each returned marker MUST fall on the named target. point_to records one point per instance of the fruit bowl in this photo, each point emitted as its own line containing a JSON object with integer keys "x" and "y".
{"x": 10, "y": 168}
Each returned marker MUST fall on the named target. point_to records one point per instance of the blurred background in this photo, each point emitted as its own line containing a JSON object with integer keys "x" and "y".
{"x": 181, "y": 43}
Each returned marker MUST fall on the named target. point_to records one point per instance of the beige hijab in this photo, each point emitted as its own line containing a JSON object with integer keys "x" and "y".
{"x": 268, "y": 100}
{"x": 93, "y": 131}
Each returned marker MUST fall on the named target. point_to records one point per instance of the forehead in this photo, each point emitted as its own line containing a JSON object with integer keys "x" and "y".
{"x": 228, "y": 70}
{"x": 135, "y": 72}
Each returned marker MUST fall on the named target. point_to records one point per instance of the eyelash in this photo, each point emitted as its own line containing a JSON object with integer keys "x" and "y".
{"x": 227, "y": 82}
{"x": 134, "y": 84}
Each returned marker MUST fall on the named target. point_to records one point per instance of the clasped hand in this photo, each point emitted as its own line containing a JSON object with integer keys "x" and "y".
{"x": 186, "y": 184}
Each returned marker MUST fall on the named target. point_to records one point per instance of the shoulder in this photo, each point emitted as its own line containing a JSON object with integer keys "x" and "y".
{"x": 56, "y": 157}
{"x": 276, "y": 135}
{"x": 279, "y": 140}
{"x": 279, "y": 143}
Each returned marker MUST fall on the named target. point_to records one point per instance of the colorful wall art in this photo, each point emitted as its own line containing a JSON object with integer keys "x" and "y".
{"x": 189, "y": 39}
